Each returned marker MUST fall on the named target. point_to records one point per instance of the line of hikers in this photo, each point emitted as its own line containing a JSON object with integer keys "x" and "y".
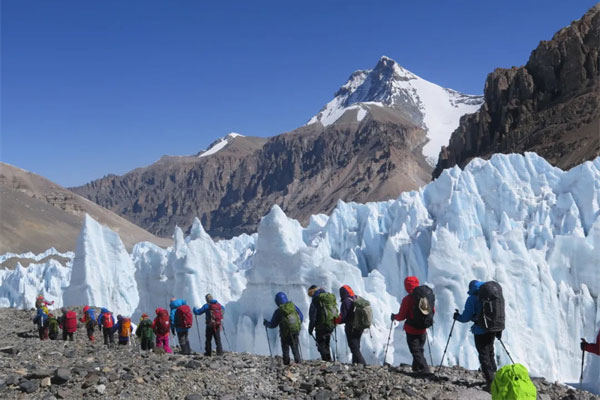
{"x": 484, "y": 307}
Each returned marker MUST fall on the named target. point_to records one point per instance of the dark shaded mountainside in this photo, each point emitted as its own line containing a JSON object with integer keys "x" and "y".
{"x": 550, "y": 106}
{"x": 304, "y": 171}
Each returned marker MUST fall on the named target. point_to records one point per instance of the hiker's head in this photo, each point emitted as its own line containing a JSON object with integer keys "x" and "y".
{"x": 410, "y": 283}
{"x": 86, "y": 308}
{"x": 144, "y": 316}
{"x": 346, "y": 291}
{"x": 474, "y": 286}
{"x": 208, "y": 297}
{"x": 312, "y": 290}
{"x": 280, "y": 298}
{"x": 64, "y": 310}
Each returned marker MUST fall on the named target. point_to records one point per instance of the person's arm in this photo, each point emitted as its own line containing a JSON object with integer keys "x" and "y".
{"x": 312, "y": 317}
{"x": 469, "y": 311}
{"x": 404, "y": 309}
{"x": 202, "y": 310}
{"x": 275, "y": 319}
{"x": 344, "y": 311}
{"x": 300, "y": 314}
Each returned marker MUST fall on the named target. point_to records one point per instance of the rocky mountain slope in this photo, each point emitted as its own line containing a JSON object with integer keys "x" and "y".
{"x": 34, "y": 369}
{"x": 37, "y": 214}
{"x": 550, "y": 106}
{"x": 366, "y": 145}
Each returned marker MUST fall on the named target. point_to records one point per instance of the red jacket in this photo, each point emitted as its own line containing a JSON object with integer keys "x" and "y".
{"x": 408, "y": 305}
{"x": 594, "y": 347}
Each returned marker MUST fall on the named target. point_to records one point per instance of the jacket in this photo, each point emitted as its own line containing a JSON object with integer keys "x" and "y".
{"x": 594, "y": 347}
{"x": 314, "y": 311}
{"x": 40, "y": 318}
{"x": 407, "y": 307}
{"x": 347, "y": 308}
{"x": 174, "y": 305}
{"x": 281, "y": 299}
{"x": 101, "y": 319}
{"x": 88, "y": 315}
{"x": 205, "y": 309}
{"x": 473, "y": 308}
{"x": 142, "y": 328}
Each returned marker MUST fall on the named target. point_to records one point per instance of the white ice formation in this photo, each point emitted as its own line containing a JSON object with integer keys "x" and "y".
{"x": 514, "y": 218}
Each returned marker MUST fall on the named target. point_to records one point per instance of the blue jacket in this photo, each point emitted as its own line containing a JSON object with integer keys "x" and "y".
{"x": 206, "y": 309}
{"x": 41, "y": 317}
{"x": 472, "y": 308}
{"x": 313, "y": 311}
{"x": 280, "y": 299}
{"x": 174, "y": 305}
{"x": 100, "y": 317}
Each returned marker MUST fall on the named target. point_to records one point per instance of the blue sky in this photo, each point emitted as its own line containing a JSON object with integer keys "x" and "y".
{"x": 97, "y": 87}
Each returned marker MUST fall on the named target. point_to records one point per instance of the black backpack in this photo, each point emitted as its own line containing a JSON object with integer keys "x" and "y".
{"x": 424, "y": 307}
{"x": 491, "y": 318}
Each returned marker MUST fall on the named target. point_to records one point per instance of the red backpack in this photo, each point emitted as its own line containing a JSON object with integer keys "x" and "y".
{"x": 183, "y": 317}
{"x": 71, "y": 321}
{"x": 163, "y": 324}
{"x": 216, "y": 315}
{"x": 107, "y": 320}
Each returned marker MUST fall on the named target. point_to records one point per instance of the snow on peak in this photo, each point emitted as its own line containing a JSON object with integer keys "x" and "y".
{"x": 436, "y": 109}
{"x": 219, "y": 144}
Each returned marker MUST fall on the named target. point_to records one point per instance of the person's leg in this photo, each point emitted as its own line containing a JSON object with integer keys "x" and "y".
{"x": 354, "y": 343}
{"x": 159, "y": 341}
{"x": 71, "y": 336}
{"x": 416, "y": 345}
{"x": 218, "y": 343}
{"x": 183, "y": 342}
{"x": 296, "y": 348}
{"x": 482, "y": 344}
{"x": 208, "y": 343}
{"x": 111, "y": 336}
{"x": 323, "y": 345}
{"x": 166, "y": 344}
{"x": 285, "y": 349}
{"x": 105, "y": 335}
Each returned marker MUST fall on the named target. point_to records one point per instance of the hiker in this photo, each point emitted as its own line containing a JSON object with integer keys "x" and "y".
{"x": 322, "y": 312}
{"x": 161, "y": 326}
{"x": 591, "y": 347}
{"x": 53, "y": 327}
{"x": 41, "y": 320}
{"x": 417, "y": 309}
{"x": 106, "y": 323}
{"x": 124, "y": 330}
{"x": 352, "y": 328}
{"x": 214, "y": 322}
{"x": 145, "y": 333}
{"x": 181, "y": 321}
{"x": 289, "y": 319}
{"x": 68, "y": 323}
{"x": 41, "y": 302}
{"x": 484, "y": 338}
{"x": 89, "y": 320}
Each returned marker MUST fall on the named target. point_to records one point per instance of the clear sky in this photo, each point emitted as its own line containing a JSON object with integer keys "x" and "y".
{"x": 96, "y": 87}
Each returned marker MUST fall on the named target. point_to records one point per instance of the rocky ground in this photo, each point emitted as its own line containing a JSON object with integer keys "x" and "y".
{"x": 32, "y": 369}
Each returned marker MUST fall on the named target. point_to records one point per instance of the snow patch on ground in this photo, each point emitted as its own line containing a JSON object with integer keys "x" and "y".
{"x": 220, "y": 144}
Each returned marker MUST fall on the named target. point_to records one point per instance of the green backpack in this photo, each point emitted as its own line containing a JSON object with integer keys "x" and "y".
{"x": 327, "y": 311}
{"x": 363, "y": 315}
{"x": 290, "y": 320}
{"x": 145, "y": 329}
{"x": 53, "y": 325}
{"x": 512, "y": 382}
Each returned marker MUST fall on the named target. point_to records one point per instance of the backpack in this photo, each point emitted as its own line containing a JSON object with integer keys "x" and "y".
{"x": 216, "y": 315}
{"x": 512, "y": 382}
{"x": 363, "y": 314}
{"x": 125, "y": 327}
{"x": 423, "y": 310}
{"x": 163, "y": 324}
{"x": 145, "y": 329}
{"x": 290, "y": 319}
{"x": 53, "y": 325}
{"x": 491, "y": 318}
{"x": 70, "y": 321}
{"x": 183, "y": 317}
{"x": 107, "y": 320}
{"x": 327, "y": 307}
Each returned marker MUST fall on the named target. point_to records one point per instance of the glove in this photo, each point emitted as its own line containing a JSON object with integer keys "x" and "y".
{"x": 195, "y": 310}
{"x": 392, "y": 316}
{"x": 499, "y": 335}
{"x": 456, "y": 315}
{"x": 582, "y": 345}
{"x": 265, "y": 322}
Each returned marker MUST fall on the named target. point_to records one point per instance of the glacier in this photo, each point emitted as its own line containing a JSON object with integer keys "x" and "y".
{"x": 513, "y": 218}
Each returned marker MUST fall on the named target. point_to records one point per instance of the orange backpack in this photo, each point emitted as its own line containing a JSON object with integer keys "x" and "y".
{"x": 125, "y": 327}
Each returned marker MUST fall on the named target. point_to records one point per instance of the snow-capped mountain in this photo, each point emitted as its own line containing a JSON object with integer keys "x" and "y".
{"x": 515, "y": 219}
{"x": 219, "y": 144}
{"x": 434, "y": 108}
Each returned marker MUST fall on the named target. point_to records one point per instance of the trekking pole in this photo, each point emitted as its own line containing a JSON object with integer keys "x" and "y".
{"x": 387, "y": 345}
{"x": 581, "y": 376}
{"x": 429, "y": 347}
{"x": 269, "y": 342}
{"x": 227, "y": 339}
{"x": 446, "y": 348}
{"x": 335, "y": 340}
{"x": 502, "y": 343}
{"x": 198, "y": 330}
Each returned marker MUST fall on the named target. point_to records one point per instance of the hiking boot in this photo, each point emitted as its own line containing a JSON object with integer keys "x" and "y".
{"x": 207, "y": 354}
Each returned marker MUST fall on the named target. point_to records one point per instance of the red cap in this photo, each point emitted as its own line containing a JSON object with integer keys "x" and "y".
{"x": 410, "y": 283}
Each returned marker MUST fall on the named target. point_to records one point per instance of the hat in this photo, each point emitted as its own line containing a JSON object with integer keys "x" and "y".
{"x": 208, "y": 297}
{"x": 424, "y": 306}
{"x": 144, "y": 315}
{"x": 312, "y": 290}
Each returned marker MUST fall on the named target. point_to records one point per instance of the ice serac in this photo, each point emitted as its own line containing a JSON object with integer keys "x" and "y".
{"x": 388, "y": 85}
{"x": 103, "y": 273}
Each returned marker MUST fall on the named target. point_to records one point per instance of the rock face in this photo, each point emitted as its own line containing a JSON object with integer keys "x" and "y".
{"x": 304, "y": 171}
{"x": 35, "y": 369}
{"x": 550, "y": 106}
{"x": 37, "y": 214}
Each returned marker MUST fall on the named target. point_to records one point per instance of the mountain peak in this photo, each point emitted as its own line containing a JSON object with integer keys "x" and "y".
{"x": 219, "y": 144}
